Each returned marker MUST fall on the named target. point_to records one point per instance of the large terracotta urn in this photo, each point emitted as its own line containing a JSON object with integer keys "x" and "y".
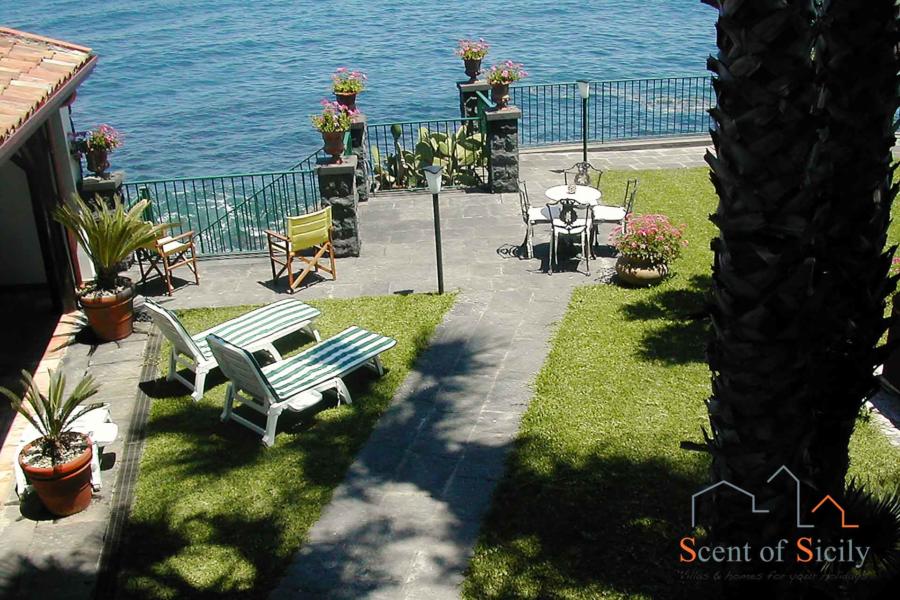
{"x": 638, "y": 272}
{"x": 64, "y": 489}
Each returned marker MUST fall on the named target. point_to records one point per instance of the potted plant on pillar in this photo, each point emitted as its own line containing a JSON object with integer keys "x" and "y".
{"x": 58, "y": 463}
{"x": 346, "y": 85}
{"x": 333, "y": 122}
{"x": 500, "y": 76}
{"x": 647, "y": 244}
{"x": 95, "y": 145}
{"x": 109, "y": 236}
{"x": 472, "y": 52}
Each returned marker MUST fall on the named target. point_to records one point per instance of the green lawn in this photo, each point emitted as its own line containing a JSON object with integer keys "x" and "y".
{"x": 216, "y": 513}
{"x": 597, "y": 491}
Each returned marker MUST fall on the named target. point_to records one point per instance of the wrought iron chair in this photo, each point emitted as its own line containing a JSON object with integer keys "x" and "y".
{"x": 531, "y": 216}
{"x": 166, "y": 255}
{"x": 567, "y": 223}
{"x": 614, "y": 214}
{"x": 580, "y": 174}
{"x": 312, "y": 231}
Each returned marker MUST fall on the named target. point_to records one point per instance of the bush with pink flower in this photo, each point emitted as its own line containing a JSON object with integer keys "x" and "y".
{"x": 345, "y": 81}
{"x": 472, "y": 49}
{"x": 506, "y": 72}
{"x": 650, "y": 238}
{"x": 334, "y": 117}
{"x": 103, "y": 138}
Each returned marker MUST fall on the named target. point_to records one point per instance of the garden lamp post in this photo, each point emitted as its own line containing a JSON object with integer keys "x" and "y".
{"x": 433, "y": 177}
{"x": 584, "y": 90}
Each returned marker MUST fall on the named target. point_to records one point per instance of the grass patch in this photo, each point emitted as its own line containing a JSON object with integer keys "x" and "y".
{"x": 215, "y": 512}
{"x": 597, "y": 490}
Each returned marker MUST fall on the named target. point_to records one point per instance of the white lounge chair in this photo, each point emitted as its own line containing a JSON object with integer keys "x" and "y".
{"x": 254, "y": 331}
{"x": 298, "y": 382}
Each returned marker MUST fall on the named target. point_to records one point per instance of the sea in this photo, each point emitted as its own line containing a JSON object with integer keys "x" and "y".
{"x": 214, "y": 87}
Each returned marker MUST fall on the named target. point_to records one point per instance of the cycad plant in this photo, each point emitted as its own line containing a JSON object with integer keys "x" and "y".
{"x": 108, "y": 235}
{"x": 53, "y": 414}
{"x": 806, "y": 92}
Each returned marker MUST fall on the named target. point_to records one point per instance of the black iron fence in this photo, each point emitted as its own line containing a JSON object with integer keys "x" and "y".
{"x": 616, "y": 110}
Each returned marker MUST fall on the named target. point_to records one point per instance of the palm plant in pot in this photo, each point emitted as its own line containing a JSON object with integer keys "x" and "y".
{"x": 647, "y": 244}
{"x": 109, "y": 236}
{"x": 57, "y": 464}
{"x": 346, "y": 85}
{"x": 333, "y": 122}
{"x": 500, "y": 76}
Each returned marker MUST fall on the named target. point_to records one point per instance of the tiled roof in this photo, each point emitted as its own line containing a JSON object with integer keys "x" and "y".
{"x": 31, "y": 69}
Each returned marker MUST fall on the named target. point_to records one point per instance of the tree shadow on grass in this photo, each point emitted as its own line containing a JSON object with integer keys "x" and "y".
{"x": 681, "y": 334}
{"x": 607, "y": 523}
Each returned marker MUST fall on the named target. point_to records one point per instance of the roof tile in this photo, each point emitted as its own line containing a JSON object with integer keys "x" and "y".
{"x": 31, "y": 69}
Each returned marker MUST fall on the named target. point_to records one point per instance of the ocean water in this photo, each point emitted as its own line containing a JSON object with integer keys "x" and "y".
{"x": 209, "y": 87}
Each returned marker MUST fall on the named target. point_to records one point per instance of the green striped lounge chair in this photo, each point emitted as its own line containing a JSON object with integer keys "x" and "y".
{"x": 254, "y": 331}
{"x": 297, "y": 382}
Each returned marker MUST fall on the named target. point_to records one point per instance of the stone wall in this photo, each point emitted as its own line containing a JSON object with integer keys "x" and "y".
{"x": 503, "y": 143}
{"x": 337, "y": 187}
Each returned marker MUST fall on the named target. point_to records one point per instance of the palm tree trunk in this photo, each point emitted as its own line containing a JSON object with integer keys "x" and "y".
{"x": 761, "y": 409}
{"x": 856, "y": 71}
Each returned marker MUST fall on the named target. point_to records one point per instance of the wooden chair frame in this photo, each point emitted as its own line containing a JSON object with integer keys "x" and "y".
{"x": 281, "y": 253}
{"x": 163, "y": 262}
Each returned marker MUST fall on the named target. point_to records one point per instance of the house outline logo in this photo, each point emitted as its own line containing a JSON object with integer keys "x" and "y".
{"x": 753, "y": 509}
{"x": 783, "y": 468}
{"x": 844, "y": 524}
{"x": 714, "y": 486}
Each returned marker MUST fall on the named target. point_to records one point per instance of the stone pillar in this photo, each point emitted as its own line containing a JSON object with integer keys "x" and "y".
{"x": 359, "y": 146}
{"x": 468, "y": 101}
{"x": 337, "y": 187}
{"x": 107, "y": 189}
{"x": 503, "y": 149}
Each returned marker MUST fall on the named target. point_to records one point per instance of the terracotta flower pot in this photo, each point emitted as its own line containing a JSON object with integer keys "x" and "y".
{"x": 473, "y": 68}
{"x": 348, "y": 100}
{"x": 110, "y": 316}
{"x": 334, "y": 144}
{"x": 639, "y": 272}
{"x": 64, "y": 489}
{"x": 98, "y": 162}
{"x": 500, "y": 94}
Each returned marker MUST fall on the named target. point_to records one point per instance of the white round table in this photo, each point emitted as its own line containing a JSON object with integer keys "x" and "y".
{"x": 584, "y": 194}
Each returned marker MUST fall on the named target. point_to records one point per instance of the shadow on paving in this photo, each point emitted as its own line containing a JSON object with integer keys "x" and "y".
{"x": 683, "y": 335}
{"x": 18, "y": 575}
{"x": 605, "y": 524}
{"x": 417, "y": 446}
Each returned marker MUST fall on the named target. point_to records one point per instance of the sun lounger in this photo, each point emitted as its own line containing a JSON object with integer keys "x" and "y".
{"x": 254, "y": 331}
{"x": 297, "y": 382}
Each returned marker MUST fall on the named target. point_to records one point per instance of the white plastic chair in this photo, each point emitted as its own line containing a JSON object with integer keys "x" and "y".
{"x": 297, "y": 382}
{"x": 253, "y": 331}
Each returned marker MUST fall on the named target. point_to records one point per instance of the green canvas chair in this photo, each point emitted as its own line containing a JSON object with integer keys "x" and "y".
{"x": 312, "y": 231}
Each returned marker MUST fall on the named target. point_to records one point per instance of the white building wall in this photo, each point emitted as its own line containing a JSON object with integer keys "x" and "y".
{"x": 21, "y": 262}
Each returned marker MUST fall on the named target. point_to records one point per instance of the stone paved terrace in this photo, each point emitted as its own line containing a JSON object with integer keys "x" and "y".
{"x": 403, "y": 523}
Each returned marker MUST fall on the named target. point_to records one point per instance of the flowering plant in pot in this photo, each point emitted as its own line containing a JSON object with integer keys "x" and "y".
{"x": 109, "y": 236}
{"x": 647, "y": 244}
{"x": 333, "y": 122}
{"x": 95, "y": 145}
{"x": 500, "y": 76}
{"x": 472, "y": 52}
{"x": 347, "y": 84}
{"x": 58, "y": 463}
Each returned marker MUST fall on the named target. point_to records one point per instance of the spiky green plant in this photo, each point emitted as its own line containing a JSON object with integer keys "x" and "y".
{"x": 108, "y": 235}
{"x": 52, "y": 415}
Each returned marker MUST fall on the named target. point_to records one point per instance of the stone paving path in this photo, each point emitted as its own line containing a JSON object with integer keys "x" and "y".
{"x": 44, "y": 557}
